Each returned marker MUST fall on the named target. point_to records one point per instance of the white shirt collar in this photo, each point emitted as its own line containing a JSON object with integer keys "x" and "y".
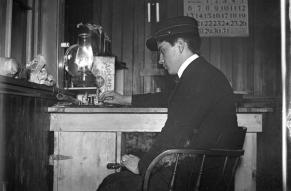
{"x": 186, "y": 63}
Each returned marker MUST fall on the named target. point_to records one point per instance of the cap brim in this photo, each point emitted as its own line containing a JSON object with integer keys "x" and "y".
{"x": 151, "y": 44}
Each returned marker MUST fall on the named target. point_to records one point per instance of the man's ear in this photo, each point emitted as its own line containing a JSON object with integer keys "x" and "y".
{"x": 181, "y": 44}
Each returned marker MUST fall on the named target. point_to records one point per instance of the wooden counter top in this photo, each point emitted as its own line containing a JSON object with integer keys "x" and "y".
{"x": 97, "y": 109}
{"x": 132, "y": 118}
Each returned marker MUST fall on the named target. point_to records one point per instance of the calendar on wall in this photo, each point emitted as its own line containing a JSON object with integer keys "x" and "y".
{"x": 219, "y": 18}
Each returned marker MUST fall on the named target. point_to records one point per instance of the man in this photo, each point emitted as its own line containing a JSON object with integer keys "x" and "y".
{"x": 201, "y": 109}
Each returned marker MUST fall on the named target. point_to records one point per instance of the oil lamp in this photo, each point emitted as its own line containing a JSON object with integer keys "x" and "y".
{"x": 89, "y": 68}
{"x": 84, "y": 55}
{"x": 79, "y": 60}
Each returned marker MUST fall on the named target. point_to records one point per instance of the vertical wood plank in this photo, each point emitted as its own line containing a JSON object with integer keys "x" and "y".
{"x": 250, "y": 49}
{"x": 215, "y": 52}
{"x": 49, "y": 29}
{"x": 205, "y": 48}
{"x": 180, "y": 5}
{"x": 29, "y": 33}
{"x": 8, "y": 28}
{"x": 36, "y": 28}
{"x": 138, "y": 45}
{"x": 258, "y": 78}
{"x": 127, "y": 43}
{"x": 103, "y": 8}
{"x": 226, "y": 58}
{"x": 147, "y": 53}
{"x": 60, "y": 38}
{"x": 163, "y": 9}
{"x": 240, "y": 66}
{"x": 116, "y": 32}
{"x": 2, "y": 140}
{"x": 26, "y": 144}
{"x": 172, "y": 8}
{"x": 2, "y": 29}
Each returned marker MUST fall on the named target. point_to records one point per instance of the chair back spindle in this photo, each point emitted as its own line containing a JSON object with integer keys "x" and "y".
{"x": 174, "y": 173}
{"x": 229, "y": 162}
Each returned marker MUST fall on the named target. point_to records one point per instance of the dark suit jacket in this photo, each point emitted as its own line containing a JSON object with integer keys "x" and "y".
{"x": 201, "y": 109}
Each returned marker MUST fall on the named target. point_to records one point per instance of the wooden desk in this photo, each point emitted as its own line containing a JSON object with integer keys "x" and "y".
{"x": 86, "y": 139}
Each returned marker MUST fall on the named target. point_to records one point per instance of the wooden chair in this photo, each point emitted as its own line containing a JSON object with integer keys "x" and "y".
{"x": 224, "y": 161}
{"x": 221, "y": 162}
{"x": 230, "y": 162}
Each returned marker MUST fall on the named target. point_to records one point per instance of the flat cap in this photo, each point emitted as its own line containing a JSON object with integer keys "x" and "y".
{"x": 170, "y": 27}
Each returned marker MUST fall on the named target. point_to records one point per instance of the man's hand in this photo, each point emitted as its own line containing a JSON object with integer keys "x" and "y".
{"x": 130, "y": 162}
{"x": 115, "y": 98}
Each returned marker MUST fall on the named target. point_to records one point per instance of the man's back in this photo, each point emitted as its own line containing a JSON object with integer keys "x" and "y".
{"x": 200, "y": 112}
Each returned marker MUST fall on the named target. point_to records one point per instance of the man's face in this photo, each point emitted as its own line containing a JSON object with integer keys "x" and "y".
{"x": 169, "y": 56}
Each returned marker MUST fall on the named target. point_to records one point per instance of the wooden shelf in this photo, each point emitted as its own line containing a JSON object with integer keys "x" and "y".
{"x": 22, "y": 87}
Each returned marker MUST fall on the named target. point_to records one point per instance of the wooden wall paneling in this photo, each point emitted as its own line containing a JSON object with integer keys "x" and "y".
{"x": 18, "y": 34}
{"x": 147, "y": 79}
{"x": 250, "y": 49}
{"x": 102, "y": 14}
{"x": 226, "y": 58}
{"x": 76, "y": 12}
{"x": 150, "y": 78}
{"x": 116, "y": 37}
{"x": 180, "y": 5}
{"x": 154, "y": 83}
{"x": 29, "y": 33}
{"x": 40, "y": 140}
{"x": 36, "y": 28}
{"x": 127, "y": 44}
{"x": 147, "y": 53}
{"x": 106, "y": 19}
{"x": 215, "y": 52}
{"x": 249, "y": 70}
{"x": 97, "y": 13}
{"x": 272, "y": 57}
{"x": 258, "y": 74}
{"x": 139, "y": 35}
{"x": 172, "y": 8}
{"x": 49, "y": 40}
{"x": 8, "y": 125}
{"x": 13, "y": 142}
{"x": 273, "y": 81}
{"x": 26, "y": 144}
{"x": 2, "y": 23}
{"x": 163, "y": 14}
{"x": 60, "y": 38}
{"x": 205, "y": 48}
{"x": 8, "y": 27}
{"x": 152, "y": 66}
{"x": 2, "y": 141}
{"x": 240, "y": 65}
{"x": 164, "y": 9}
{"x": 258, "y": 49}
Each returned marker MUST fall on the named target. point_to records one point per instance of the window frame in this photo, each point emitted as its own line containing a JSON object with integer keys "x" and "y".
{"x": 32, "y": 29}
